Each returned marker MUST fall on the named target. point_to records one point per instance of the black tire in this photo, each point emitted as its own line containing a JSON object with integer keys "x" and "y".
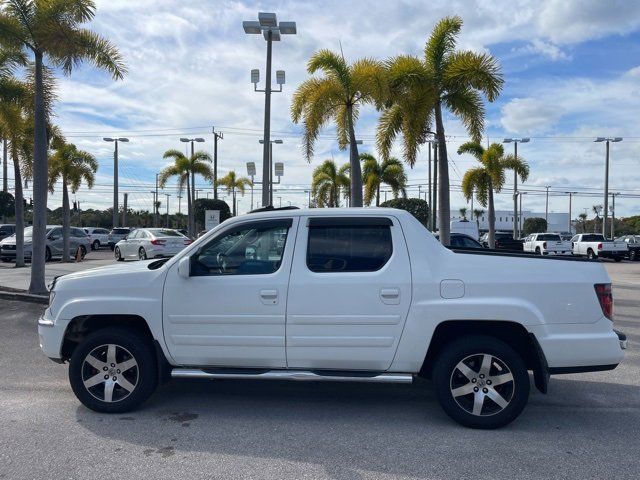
{"x": 538, "y": 251}
{"x": 633, "y": 256}
{"x": 447, "y": 377}
{"x": 47, "y": 254}
{"x": 591, "y": 255}
{"x": 129, "y": 344}
{"x": 118, "y": 255}
{"x": 112, "y": 246}
{"x": 95, "y": 245}
{"x": 617, "y": 259}
{"x": 142, "y": 254}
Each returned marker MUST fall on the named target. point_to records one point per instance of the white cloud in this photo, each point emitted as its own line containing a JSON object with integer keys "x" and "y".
{"x": 529, "y": 115}
{"x": 546, "y": 49}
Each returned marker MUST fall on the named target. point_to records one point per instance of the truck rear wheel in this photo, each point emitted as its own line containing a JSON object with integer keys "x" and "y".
{"x": 591, "y": 255}
{"x": 113, "y": 370}
{"x": 481, "y": 382}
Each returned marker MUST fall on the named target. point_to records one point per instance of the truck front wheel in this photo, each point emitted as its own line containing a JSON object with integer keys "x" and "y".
{"x": 481, "y": 382}
{"x": 113, "y": 370}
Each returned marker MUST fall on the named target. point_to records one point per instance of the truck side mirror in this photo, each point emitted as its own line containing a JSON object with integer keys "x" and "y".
{"x": 184, "y": 267}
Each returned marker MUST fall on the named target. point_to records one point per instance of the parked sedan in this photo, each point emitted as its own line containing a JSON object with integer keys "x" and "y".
{"x": 146, "y": 243}
{"x": 78, "y": 239}
{"x": 462, "y": 240}
{"x": 99, "y": 237}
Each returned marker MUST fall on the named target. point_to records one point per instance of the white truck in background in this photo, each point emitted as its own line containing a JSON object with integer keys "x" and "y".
{"x": 465, "y": 227}
{"x": 546, "y": 244}
{"x": 594, "y": 246}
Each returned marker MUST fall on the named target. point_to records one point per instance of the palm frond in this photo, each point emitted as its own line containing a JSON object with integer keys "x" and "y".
{"x": 479, "y": 71}
{"x": 332, "y": 65}
{"x": 442, "y": 42}
{"x": 467, "y": 105}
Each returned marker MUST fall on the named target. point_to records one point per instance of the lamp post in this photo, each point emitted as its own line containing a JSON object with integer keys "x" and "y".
{"x": 270, "y": 176}
{"x": 191, "y": 220}
{"x": 521, "y": 220}
{"x": 115, "y": 176}
{"x": 167, "y": 195}
{"x": 613, "y": 213}
{"x": 571, "y": 194}
{"x": 515, "y": 142}
{"x": 216, "y": 136}
{"x": 268, "y": 26}
{"x": 251, "y": 171}
{"x": 606, "y": 180}
{"x": 546, "y": 208}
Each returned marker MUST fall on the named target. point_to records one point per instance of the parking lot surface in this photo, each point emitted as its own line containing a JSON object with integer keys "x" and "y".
{"x": 586, "y": 427}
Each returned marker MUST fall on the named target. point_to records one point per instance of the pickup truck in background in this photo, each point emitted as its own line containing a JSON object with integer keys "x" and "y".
{"x": 633, "y": 244}
{"x": 545, "y": 244}
{"x": 594, "y": 246}
{"x": 341, "y": 295}
{"x": 504, "y": 241}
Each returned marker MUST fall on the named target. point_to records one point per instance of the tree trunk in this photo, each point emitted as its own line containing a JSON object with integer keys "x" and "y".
{"x": 354, "y": 161}
{"x": 444, "y": 209}
{"x": 19, "y": 207}
{"x": 492, "y": 219}
{"x": 66, "y": 221}
{"x": 378, "y": 195}
{"x": 233, "y": 196}
{"x": 40, "y": 181}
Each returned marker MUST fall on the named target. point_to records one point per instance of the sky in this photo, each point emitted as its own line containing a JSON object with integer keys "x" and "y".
{"x": 571, "y": 70}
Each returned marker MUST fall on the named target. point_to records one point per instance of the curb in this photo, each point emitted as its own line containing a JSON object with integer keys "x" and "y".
{"x": 24, "y": 297}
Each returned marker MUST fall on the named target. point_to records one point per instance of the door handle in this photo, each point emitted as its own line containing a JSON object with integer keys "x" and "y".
{"x": 390, "y": 296}
{"x": 269, "y": 297}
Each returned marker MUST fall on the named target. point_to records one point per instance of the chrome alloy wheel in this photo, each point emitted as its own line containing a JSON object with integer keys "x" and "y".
{"x": 482, "y": 384}
{"x": 110, "y": 373}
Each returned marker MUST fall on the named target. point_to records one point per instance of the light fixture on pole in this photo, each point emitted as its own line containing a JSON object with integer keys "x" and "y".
{"x": 115, "y": 175}
{"x": 606, "y": 180}
{"x": 515, "y": 142}
{"x": 268, "y": 26}
{"x": 270, "y": 176}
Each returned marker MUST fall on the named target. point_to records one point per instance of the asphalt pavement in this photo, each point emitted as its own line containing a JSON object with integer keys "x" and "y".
{"x": 586, "y": 427}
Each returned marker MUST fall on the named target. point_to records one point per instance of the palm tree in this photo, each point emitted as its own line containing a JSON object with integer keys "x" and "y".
{"x": 234, "y": 183}
{"x": 389, "y": 171}
{"x": 52, "y": 29}
{"x": 490, "y": 176}
{"x": 421, "y": 89}
{"x": 337, "y": 97}
{"x": 327, "y": 182}
{"x": 477, "y": 213}
{"x": 583, "y": 221}
{"x": 463, "y": 213}
{"x": 72, "y": 167}
{"x": 186, "y": 168}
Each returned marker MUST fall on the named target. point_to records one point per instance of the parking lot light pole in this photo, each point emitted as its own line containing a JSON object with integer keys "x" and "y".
{"x": 115, "y": 176}
{"x": 606, "y": 180}
{"x": 546, "y": 208}
{"x": 570, "y": 209}
{"x": 521, "y": 220}
{"x": 268, "y": 26}
{"x": 515, "y": 142}
{"x": 270, "y": 176}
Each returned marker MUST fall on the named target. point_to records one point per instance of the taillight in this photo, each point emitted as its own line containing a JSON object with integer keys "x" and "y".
{"x": 188, "y": 242}
{"x": 599, "y": 246}
{"x": 605, "y": 297}
{"x": 544, "y": 245}
{"x": 157, "y": 242}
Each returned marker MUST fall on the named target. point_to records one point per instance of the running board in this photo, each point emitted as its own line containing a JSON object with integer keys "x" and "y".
{"x": 300, "y": 375}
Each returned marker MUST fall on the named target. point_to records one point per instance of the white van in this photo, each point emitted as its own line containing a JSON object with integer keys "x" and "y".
{"x": 466, "y": 227}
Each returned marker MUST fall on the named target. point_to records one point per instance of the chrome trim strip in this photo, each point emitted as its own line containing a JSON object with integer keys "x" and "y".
{"x": 45, "y": 322}
{"x": 300, "y": 375}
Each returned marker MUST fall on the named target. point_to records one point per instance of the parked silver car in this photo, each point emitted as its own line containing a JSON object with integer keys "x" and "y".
{"x": 54, "y": 247}
{"x": 146, "y": 243}
{"x": 99, "y": 237}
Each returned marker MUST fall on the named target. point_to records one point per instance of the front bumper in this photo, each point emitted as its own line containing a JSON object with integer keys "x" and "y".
{"x": 51, "y": 335}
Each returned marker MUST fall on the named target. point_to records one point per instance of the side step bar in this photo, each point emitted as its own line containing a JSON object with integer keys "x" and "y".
{"x": 300, "y": 375}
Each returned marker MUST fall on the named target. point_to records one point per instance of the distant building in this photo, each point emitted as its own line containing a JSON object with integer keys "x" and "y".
{"x": 557, "y": 222}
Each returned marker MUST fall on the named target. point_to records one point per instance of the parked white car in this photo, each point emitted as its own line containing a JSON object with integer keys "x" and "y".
{"x": 359, "y": 295}
{"x": 99, "y": 237}
{"x": 145, "y": 243}
{"x": 546, "y": 244}
{"x": 594, "y": 246}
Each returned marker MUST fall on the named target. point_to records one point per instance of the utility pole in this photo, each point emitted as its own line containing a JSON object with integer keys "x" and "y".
{"x": 570, "y": 208}
{"x": 613, "y": 214}
{"x": 434, "y": 202}
{"x": 429, "y": 179}
{"x": 155, "y": 203}
{"x": 515, "y": 182}
{"x": 124, "y": 210}
{"x": 606, "y": 181}
{"x": 4, "y": 166}
{"x": 216, "y": 136}
{"x": 115, "y": 141}
{"x": 546, "y": 208}
{"x": 167, "y": 195}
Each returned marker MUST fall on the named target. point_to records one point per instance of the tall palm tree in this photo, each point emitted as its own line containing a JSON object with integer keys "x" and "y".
{"x": 52, "y": 30}
{"x": 583, "y": 221}
{"x": 327, "y": 183}
{"x": 72, "y": 167}
{"x": 477, "y": 213}
{"x": 337, "y": 97}
{"x": 389, "y": 171}
{"x": 234, "y": 184}
{"x": 490, "y": 176}
{"x": 422, "y": 89}
{"x": 186, "y": 168}
{"x": 463, "y": 213}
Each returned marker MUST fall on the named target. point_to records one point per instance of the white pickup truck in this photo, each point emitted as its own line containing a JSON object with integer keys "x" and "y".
{"x": 594, "y": 246}
{"x": 358, "y": 295}
{"x": 546, "y": 244}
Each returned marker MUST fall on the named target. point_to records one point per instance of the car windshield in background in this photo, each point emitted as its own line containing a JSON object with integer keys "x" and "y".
{"x": 162, "y": 232}
{"x": 551, "y": 238}
{"x": 120, "y": 231}
{"x": 503, "y": 235}
{"x": 592, "y": 238}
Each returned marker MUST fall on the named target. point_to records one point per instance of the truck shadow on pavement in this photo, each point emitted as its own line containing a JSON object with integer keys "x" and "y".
{"x": 395, "y": 429}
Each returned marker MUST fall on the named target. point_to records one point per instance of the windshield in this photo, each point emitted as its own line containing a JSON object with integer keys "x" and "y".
{"x": 549, "y": 237}
{"x": 164, "y": 232}
{"x": 592, "y": 238}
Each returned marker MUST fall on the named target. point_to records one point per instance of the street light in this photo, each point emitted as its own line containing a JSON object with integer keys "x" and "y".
{"x": 270, "y": 176}
{"x": 268, "y": 26}
{"x": 515, "y": 142}
{"x": 571, "y": 194}
{"x": 521, "y": 219}
{"x": 115, "y": 176}
{"x": 606, "y": 180}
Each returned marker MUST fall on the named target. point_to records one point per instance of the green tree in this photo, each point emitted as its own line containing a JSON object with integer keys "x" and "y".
{"x": 203, "y": 204}
{"x": 389, "y": 171}
{"x": 72, "y": 167}
{"x": 534, "y": 225}
{"x": 186, "y": 168}
{"x": 52, "y": 30}
{"x": 415, "y": 206}
{"x": 234, "y": 184}
{"x": 477, "y": 213}
{"x": 422, "y": 89}
{"x": 583, "y": 222}
{"x": 489, "y": 177}
{"x": 327, "y": 182}
{"x": 7, "y": 204}
{"x": 463, "y": 213}
{"x": 337, "y": 97}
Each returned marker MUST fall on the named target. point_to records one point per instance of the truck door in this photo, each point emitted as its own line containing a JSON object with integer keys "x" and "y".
{"x": 349, "y": 293}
